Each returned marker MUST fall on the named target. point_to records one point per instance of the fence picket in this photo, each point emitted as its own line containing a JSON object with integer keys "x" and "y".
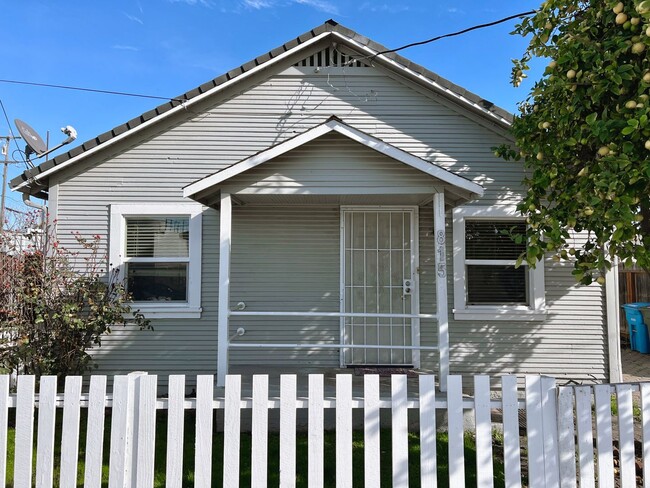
{"x": 455, "y": 431}
{"x": 549, "y": 424}
{"x": 203, "y": 442}
{"x": 260, "y": 427}
{"x": 119, "y": 462}
{"x": 344, "y": 431}
{"x": 605, "y": 459}
{"x": 483, "y": 419}
{"x": 399, "y": 437}
{"x": 95, "y": 432}
{"x": 566, "y": 442}
{"x": 175, "y": 431}
{"x": 315, "y": 437}
{"x": 535, "y": 432}
{"x": 550, "y": 429}
{"x": 645, "y": 419}
{"x": 585, "y": 436}
{"x": 146, "y": 431}
{"x": 626, "y": 436}
{"x": 231, "y": 431}
{"x": 288, "y": 385}
{"x": 428, "y": 465}
{"x": 24, "y": 432}
{"x": 70, "y": 432}
{"x": 45, "y": 437}
{"x": 371, "y": 450}
{"x": 511, "y": 444}
{"x": 4, "y": 417}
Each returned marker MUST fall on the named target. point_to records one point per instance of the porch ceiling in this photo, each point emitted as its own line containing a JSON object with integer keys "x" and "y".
{"x": 333, "y": 163}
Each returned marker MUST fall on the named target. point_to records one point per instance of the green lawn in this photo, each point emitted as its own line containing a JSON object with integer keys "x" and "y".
{"x": 273, "y": 458}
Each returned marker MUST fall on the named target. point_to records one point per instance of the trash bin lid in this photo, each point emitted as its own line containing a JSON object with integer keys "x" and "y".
{"x": 635, "y": 306}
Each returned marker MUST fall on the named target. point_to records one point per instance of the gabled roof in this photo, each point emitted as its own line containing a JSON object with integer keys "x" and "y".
{"x": 35, "y": 180}
{"x": 334, "y": 124}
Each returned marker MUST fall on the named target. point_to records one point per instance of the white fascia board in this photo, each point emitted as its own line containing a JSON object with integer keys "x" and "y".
{"x": 169, "y": 113}
{"x": 407, "y": 158}
{"x": 413, "y": 74}
{"x": 347, "y": 131}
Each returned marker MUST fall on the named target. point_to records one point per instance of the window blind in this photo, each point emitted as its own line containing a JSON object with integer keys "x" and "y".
{"x": 154, "y": 237}
{"x": 491, "y": 239}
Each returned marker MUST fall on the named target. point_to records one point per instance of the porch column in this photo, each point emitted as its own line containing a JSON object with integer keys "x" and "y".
{"x": 441, "y": 287}
{"x": 613, "y": 323}
{"x": 225, "y": 232}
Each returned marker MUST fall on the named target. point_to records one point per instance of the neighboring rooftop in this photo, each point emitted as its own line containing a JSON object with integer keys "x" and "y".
{"x": 35, "y": 181}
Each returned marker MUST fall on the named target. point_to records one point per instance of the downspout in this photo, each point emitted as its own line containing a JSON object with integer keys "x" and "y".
{"x": 29, "y": 203}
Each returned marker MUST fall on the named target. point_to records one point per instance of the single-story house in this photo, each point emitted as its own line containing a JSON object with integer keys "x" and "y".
{"x": 325, "y": 205}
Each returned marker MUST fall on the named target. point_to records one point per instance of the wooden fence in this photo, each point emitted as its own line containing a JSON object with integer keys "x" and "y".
{"x": 556, "y": 438}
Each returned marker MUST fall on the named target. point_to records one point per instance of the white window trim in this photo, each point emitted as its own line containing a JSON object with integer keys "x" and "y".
{"x": 117, "y": 243}
{"x": 462, "y": 311}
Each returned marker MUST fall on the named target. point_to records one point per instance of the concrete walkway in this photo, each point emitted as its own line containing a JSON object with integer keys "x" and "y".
{"x": 636, "y": 366}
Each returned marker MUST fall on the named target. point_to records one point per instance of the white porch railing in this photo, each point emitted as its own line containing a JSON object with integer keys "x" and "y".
{"x": 553, "y": 416}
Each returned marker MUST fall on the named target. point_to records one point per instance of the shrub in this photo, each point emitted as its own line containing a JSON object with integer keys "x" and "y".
{"x": 56, "y": 304}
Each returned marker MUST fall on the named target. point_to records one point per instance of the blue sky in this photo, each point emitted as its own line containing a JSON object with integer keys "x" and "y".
{"x": 167, "y": 47}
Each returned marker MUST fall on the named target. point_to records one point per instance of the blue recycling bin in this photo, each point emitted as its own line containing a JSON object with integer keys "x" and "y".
{"x": 638, "y": 329}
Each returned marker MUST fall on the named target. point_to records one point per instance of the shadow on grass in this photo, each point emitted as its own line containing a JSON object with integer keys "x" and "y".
{"x": 385, "y": 466}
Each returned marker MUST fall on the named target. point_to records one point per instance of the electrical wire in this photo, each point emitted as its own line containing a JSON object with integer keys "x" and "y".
{"x": 92, "y": 90}
{"x": 352, "y": 60}
{"x": 457, "y": 33}
{"x": 28, "y": 164}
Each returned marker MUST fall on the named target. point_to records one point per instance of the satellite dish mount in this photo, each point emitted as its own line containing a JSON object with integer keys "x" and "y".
{"x": 35, "y": 143}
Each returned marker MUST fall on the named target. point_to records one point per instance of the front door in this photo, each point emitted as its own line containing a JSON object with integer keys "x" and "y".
{"x": 379, "y": 257}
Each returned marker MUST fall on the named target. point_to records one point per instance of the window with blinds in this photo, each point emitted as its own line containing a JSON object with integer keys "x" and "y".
{"x": 490, "y": 257}
{"x": 157, "y": 257}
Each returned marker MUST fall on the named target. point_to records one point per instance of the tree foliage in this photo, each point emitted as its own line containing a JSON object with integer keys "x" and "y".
{"x": 583, "y": 133}
{"x": 55, "y": 304}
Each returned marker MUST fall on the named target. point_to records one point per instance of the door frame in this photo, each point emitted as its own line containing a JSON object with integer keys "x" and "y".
{"x": 415, "y": 271}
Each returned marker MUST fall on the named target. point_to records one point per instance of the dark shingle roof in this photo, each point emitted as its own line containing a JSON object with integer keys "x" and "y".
{"x": 31, "y": 183}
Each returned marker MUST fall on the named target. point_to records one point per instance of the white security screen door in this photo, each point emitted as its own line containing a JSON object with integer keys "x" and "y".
{"x": 379, "y": 259}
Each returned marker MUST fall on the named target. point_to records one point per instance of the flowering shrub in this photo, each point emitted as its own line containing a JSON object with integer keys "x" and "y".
{"x": 56, "y": 304}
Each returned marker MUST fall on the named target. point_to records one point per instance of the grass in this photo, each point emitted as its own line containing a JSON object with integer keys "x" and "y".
{"x": 274, "y": 457}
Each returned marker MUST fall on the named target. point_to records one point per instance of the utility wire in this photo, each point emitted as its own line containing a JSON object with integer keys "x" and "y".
{"x": 93, "y": 90}
{"x": 13, "y": 137}
{"x": 458, "y": 33}
{"x": 401, "y": 48}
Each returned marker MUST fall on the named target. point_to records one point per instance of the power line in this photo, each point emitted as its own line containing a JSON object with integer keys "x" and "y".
{"x": 457, "y": 33}
{"x": 93, "y": 90}
{"x": 141, "y": 95}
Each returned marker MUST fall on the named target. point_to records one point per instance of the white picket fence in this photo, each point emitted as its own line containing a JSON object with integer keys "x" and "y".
{"x": 559, "y": 445}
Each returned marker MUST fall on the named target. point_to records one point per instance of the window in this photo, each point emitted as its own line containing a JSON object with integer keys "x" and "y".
{"x": 157, "y": 249}
{"x": 487, "y": 285}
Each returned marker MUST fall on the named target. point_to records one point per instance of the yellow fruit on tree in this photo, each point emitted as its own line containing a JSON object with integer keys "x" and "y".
{"x": 618, "y": 8}
{"x": 621, "y": 18}
{"x": 571, "y": 74}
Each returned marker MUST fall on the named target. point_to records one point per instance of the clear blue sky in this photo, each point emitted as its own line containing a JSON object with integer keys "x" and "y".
{"x": 167, "y": 47}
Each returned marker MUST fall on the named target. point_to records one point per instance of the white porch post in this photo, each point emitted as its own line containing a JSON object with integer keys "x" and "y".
{"x": 441, "y": 287}
{"x": 225, "y": 232}
{"x": 613, "y": 323}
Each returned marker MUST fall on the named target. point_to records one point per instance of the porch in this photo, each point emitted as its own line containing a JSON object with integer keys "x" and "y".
{"x": 299, "y": 297}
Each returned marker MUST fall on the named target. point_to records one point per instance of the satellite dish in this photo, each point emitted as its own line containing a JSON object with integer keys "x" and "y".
{"x": 35, "y": 143}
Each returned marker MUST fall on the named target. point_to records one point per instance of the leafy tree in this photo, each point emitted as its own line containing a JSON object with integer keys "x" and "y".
{"x": 55, "y": 304}
{"x": 583, "y": 133}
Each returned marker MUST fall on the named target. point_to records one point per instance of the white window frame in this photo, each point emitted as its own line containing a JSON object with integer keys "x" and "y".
{"x": 462, "y": 311}
{"x": 117, "y": 253}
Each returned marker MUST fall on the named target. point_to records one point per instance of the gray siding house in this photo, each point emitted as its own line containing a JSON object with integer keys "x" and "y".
{"x": 323, "y": 206}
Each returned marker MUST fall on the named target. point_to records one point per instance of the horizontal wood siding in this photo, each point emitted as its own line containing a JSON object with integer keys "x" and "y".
{"x": 286, "y": 259}
{"x": 273, "y": 247}
{"x": 570, "y": 343}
